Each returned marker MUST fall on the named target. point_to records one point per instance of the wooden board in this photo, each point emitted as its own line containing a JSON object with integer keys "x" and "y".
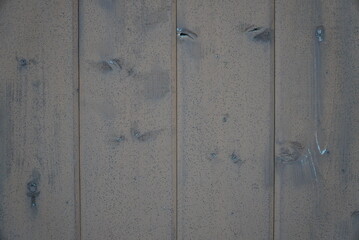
{"x": 127, "y": 126}
{"x": 317, "y": 102}
{"x": 38, "y": 119}
{"x": 225, "y": 119}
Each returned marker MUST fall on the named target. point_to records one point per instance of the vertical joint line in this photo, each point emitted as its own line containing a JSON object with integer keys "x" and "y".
{"x": 79, "y": 119}
{"x": 274, "y": 120}
{"x": 175, "y": 115}
{"x": 176, "y": 69}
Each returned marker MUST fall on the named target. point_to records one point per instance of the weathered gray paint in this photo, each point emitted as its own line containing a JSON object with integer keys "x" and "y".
{"x": 127, "y": 127}
{"x": 317, "y": 119}
{"x": 225, "y": 119}
{"x": 38, "y": 123}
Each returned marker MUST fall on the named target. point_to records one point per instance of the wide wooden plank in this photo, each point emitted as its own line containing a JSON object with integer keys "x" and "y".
{"x": 38, "y": 120}
{"x": 127, "y": 126}
{"x": 317, "y": 116}
{"x": 225, "y": 119}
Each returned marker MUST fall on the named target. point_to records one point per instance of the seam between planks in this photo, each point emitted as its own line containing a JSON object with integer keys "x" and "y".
{"x": 174, "y": 118}
{"x": 274, "y": 121}
{"x": 77, "y": 2}
{"x": 76, "y": 118}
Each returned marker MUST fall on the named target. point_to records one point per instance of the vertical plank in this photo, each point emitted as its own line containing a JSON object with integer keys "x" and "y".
{"x": 127, "y": 153}
{"x": 38, "y": 123}
{"x": 225, "y": 119}
{"x": 317, "y": 119}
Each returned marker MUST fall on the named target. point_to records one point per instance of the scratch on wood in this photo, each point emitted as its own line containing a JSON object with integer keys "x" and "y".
{"x": 109, "y": 65}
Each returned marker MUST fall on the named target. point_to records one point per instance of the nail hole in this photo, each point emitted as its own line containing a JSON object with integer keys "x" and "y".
{"x": 259, "y": 34}
{"x": 32, "y": 186}
{"x": 185, "y": 33}
{"x": 22, "y": 62}
{"x": 254, "y": 29}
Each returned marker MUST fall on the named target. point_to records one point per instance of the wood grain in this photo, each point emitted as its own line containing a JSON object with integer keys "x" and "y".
{"x": 316, "y": 109}
{"x": 127, "y": 129}
{"x": 225, "y": 120}
{"x": 38, "y": 123}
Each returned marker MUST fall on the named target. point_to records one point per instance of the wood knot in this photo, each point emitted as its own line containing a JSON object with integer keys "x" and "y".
{"x": 290, "y": 152}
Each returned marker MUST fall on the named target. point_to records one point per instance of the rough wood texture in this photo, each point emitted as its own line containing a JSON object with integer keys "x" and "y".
{"x": 225, "y": 120}
{"x": 38, "y": 124}
{"x": 317, "y": 99}
{"x": 127, "y": 156}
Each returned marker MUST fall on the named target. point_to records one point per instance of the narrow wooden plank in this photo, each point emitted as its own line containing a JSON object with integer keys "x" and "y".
{"x": 38, "y": 124}
{"x": 127, "y": 129}
{"x": 225, "y": 119}
{"x": 317, "y": 117}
